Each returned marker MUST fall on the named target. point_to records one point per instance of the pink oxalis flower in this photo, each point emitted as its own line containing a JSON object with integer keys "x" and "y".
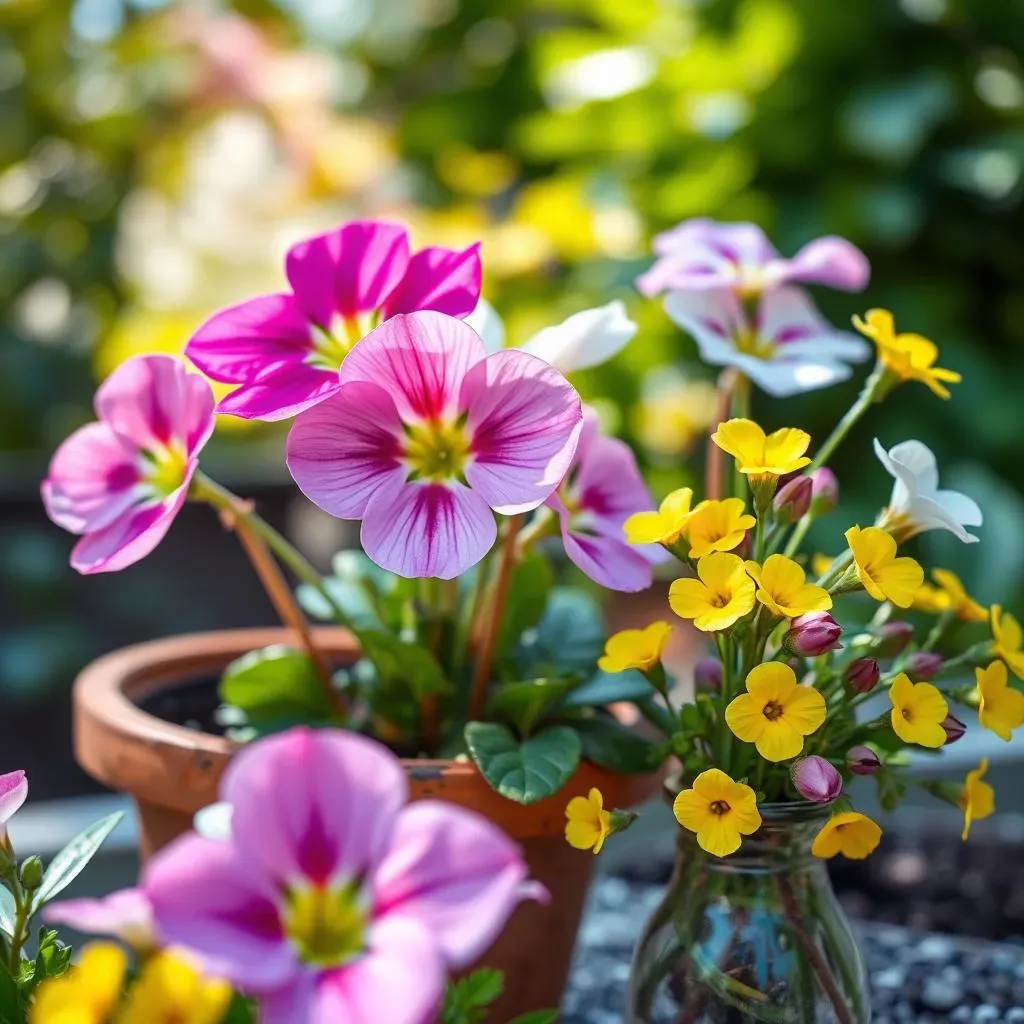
{"x": 332, "y": 901}
{"x": 120, "y": 482}
{"x": 284, "y": 350}
{"x": 602, "y": 489}
{"x": 13, "y": 792}
{"x": 702, "y": 254}
{"x": 125, "y": 915}
{"x": 427, "y": 434}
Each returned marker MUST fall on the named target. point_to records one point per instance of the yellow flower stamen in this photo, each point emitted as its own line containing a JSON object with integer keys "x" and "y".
{"x": 850, "y": 833}
{"x": 918, "y": 710}
{"x": 977, "y": 798}
{"x": 721, "y": 595}
{"x": 436, "y": 450}
{"x": 717, "y": 526}
{"x": 783, "y": 590}
{"x": 587, "y": 824}
{"x": 719, "y": 811}
{"x": 776, "y": 713}
{"x": 884, "y": 576}
{"x": 1000, "y": 708}
{"x": 635, "y": 648}
{"x": 326, "y": 923}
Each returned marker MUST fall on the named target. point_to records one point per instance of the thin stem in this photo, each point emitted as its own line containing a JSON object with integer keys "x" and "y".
{"x": 796, "y": 538}
{"x": 499, "y": 591}
{"x": 714, "y": 473}
{"x": 740, "y": 410}
{"x": 22, "y": 915}
{"x": 853, "y": 414}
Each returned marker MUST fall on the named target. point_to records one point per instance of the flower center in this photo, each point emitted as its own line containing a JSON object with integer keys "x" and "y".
{"x": 719, "y": 807}
{"x": 326, "y": 924}
{"x": 165, "y": 469}
{"x": 750, "y": 343}
{"x": 436, "y": 451}
{"x": 331, "y": 346}
{"x": 772, "y": 710}
{"x": 905, "y": 712}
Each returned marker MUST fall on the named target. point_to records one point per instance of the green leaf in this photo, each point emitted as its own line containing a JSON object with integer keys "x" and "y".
{"x": 466, "y": 1000}
{"x": 612, "y": 745}
{"x": 348, "y": 596}
{"x": 7, "y": 910}
{"x": 891, "y": 788}
{"x": 527, "y": 597}
{"x": 406, "y": 665}
{"x": 537, "y": 1017}
{"x": 12, "y": 1005}
{"x": 524, "y": 772}
{"x": 608, "y": 687}
{"x": 71, "y": 861}
{"x": 51, "y": 961}
{"x": 569, "y": 637}
{"x": 273, "y": 682}
{"x": 523, "y": 703}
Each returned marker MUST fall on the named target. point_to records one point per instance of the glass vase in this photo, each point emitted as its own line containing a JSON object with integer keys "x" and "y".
{"x": 756, "y": 936}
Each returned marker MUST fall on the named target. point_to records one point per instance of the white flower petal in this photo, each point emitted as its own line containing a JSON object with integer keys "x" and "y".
{"x": 486, "y": 322}
{"x": 917, "y": 458}
{"x": 585, "y": 339}
{"x": 214, "y": 821}
{"x": 782, "y": 378}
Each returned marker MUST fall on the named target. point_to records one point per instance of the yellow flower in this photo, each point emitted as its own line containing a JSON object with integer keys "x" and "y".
{"x": 1000, "y": 708}
{"x": 717, "y": 526}
{"x": 1009, "y": 638}
{"x": 169, "y": 990}
{"x": 588, "y": 824}
{"x": 977, "y": 798}
{"x": 782, "y": 589}
{"x": 719, "y": 811}
{"x": 820, "y": 564}
{"x": 721, "y": 595}
{"x": 663, "y": 526}
{"x": 908, "y": 356}
{"x": 635, "y": 648}
{"x": 850, "y": 833}
{"x": 776, "y": 454}
{"x": 918, "y": 710}
{"x": 776, "y": 713}
{"x": 884, "y": 576}
{"x": 88, "y": 993}
{"x": 949, "y": 596}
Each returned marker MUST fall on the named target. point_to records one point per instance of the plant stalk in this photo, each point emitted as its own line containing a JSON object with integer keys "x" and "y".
{"x": 714, "y": 473}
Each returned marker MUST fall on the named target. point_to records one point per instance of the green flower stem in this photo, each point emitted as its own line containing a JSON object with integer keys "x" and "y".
{"x": 869, "y": 393}
{"x": 945, "y": 622}
{"x": 22, "y": 918}
{"x": 796, "y": 538}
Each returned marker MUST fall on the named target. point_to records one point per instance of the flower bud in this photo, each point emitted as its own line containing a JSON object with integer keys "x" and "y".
{"x": 892, "y": 638}
{"x": 863, "y": 675}
{"x": 31, "y": 873}
{"x": 923, "y": 666}
{"x": 953, "y": 728}
{"x": 812, "y": 634}
{"x": 793, "y": 500}
{"x": 816, "y": 779}
{"x": 862, "y": 761}
{"x": 707, "y": 675}
{"x": 824, "y": 491}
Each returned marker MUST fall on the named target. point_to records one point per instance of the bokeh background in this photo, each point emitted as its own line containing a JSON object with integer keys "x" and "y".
{"x": 157, "y": 158}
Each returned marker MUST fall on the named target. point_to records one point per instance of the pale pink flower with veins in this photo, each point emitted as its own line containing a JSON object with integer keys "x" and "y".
{"x": 13, "y": 792}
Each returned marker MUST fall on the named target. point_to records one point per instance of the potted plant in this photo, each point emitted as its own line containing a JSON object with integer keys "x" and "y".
{"x": 449, "y": 639}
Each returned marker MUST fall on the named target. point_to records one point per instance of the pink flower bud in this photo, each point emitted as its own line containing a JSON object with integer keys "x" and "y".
{"x": 812, "y": 634}
{"x": 824, "y": 491}
{"x": 892, "y": 638}
{"x": 953, "y": 728}
{"x": 862, "y": 761}
{"x": 793, "y": 500}
{"x": 816, "y": 779}
{"x": 707, "y": 675}
{"x": 863, "y": 675}
{"x": 924, "y": 665}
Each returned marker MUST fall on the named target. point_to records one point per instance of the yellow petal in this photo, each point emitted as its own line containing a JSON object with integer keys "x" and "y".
{"x": 779, "y": 741}
{"x": 1006, "y": 629}
{"x": 804, "y": 709}
{"x": 771, "y": 681}
{"x": 647, "y": 528}
{"x": 784, "y": 450}
{"x": 676, "y": 505}
{"x": 718, "y": 835}
{"x": 719, "y": 569}
{"x": 713, "y": 784}
{"x": 689, "y": 598}
{"x": 745, "y": 717}
{"x": 809, "y": 598}
{"x": 101, "y": 970}
{"x": 743, "y": 439}
{"x": 690, "y": 809}
{"x": 859, "y": 838}
{"x": 582, "y": 811}
{"x": 878, "y": 325}
{"x": 1003, "y": 714}
{"x": 927, "y": 703}
{"x": 900, "y": 581}
{"x": 827, "y": 842}
{"x": 581, "y": 835}
{"x": 900, "y": 690}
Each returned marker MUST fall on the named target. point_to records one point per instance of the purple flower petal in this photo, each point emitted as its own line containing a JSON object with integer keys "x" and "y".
{"x": 446, "y": 280}
{"x": 281, "y": 392}
{"x": 126, "y": 915}
{"x": 456, "y": 873}
{"x": 608, "y": 483}
{"x": 13, "y": 793}
{"x": 420, "y": 529}
{"x": 313, "y": 805}
{"x": 240, "y": 343}
{"x": 420, "y": 359}
{"x": 152, "y": 400}
{"x": 92, "y": 479}
{"x": 788, "y": 318}
{"x": 348, "y": 271}
{"x": 346, "y": 448}
{"x": 524, "y": 419}
{"x": 205, "y": 899}
{"x": 830, "y": 261}
{"x": 131, "y": 537}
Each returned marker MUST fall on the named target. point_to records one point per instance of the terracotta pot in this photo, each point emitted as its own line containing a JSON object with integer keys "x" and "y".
{"x": 171, "y": 772}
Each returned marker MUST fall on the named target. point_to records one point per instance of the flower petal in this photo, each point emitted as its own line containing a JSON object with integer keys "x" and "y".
{"x": 714, "y": 318}
{"x": 585, "y": 339}
{"x": 447, "y": 280}
{"x": 805, "y": 709}
{"x": 771, "y": 681}
{"x": 900, "y": 581}
{"x": 342, "y": 451}
{"x": 92, "y": 479}
{"x": 241, "y": 342}
{"x": 153, "y": 399}
{"x": 126, "y": 915}
{"x": 829, "y": 260}
{"x": 524, "y": 419}
{"x": 313, "y": 804}
{"x": 420, "y": 360}
{"x": 788, "y": 318}
{"x": 718, "y": 835}
{"x": 205, "y": 899}
{"x": 745, "y": 718}
{"x": 13, "y": 793}
{"x": 348, "y": 271}
{"x": 418, "y": 529}
{"x": 780, "y": 741}
{"x": 456, "y": 873}
{"x": 608, "y": 483}
{"x": 280, "y": 393}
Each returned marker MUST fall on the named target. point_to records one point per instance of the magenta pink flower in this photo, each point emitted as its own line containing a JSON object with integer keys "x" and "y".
{"x": 702, "y": 254}
{"x": 427, "y": 434}
{"x": 125, "y": 915}
{"x": 13, "y": 792}
{"x": 602, "y": 489}
{"x": 120, "y": 482}
{"x": 285, "y": 349}
{"x": 332, "y": 901}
